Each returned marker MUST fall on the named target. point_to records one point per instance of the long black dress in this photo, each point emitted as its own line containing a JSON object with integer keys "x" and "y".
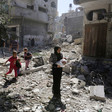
{"x": 57, "y": 74}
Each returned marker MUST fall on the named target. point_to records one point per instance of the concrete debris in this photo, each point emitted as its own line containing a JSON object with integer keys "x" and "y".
{"x": 34, "y": 70}
{"x": 75, "y": 91}
{"x": 39, "y": 61}
{"x": 78, "y": 83}
{"x": 81, "y": 84}
{"x": 86, "y": 110}
{"x": 78, "y": 41}
{"x": 26, "y": 109}
{"x": 67, "y": 69}
{"x": 85, "y": 70}
{"x": 48, "y": 71}
{"x": 97, "y": 93}
{"x": 98, "y": 108}
{"x": 69, "y": 38}
{"x": 34, "y": 107}
{"x": 74, "y": 81}
{"x": 32, "y": 92}
{"x": 65, "y": 44}
{"x": 49, "y": 84}
{"x": 81, "y": 77}
{"x": 36, "y": 91}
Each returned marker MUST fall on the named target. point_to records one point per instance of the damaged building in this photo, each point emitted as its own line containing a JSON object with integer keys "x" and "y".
{"x": 33, "y": 19}
{"x": 73, "y": 22}
{"x": 98, "y": 27}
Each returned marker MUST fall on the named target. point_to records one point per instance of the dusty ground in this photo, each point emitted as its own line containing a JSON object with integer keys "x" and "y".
{"x": 33, "y": 92}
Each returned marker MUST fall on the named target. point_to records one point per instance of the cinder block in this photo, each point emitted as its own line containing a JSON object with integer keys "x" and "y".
{"x": 97, "y": 93}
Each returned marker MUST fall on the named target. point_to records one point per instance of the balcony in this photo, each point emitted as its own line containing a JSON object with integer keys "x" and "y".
{"x": 39, "y": 16}
{"x": 78, "y": 2}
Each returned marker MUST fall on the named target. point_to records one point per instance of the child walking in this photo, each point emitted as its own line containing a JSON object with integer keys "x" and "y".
{"x": 13, "y": 66}
{"x": 27, "y": 58}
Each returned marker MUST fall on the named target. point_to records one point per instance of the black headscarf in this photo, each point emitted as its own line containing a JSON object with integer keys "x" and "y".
{"x": 59, "y": 55}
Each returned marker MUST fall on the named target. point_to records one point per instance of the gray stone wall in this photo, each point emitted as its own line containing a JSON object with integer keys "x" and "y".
{"x": 74, "y": 26}
{"x": 33, "y": 22}
{"x": 34, "y": 28}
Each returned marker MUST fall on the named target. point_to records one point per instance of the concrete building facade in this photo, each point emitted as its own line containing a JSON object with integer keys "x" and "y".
{"x": 73, "y": 22}
{"x": 98, "y": 27}
{"x": 33, "y": 19}
{"x": 70, "y": 23}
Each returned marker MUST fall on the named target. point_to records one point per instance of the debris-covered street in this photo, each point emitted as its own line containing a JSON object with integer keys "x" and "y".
{"x": 55, "y": 55}
{"x": 33, "y": 90}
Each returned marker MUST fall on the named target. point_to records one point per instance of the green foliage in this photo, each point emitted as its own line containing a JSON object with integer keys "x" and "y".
{"x": 4, "y": 18}
{"x": 4, "y": 9}
{"x": 3, "y": 32}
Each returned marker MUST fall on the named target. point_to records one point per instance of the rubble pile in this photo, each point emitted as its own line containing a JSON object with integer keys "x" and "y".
{"x": 94, "y": 73}
{"x": 82, "y": 82}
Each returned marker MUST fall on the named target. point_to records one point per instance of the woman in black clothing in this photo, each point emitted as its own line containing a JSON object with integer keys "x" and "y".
{"x": 57, "y": 71}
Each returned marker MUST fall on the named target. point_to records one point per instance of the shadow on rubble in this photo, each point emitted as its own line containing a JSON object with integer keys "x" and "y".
{"x": 101, "y": 74}
{"x": 104, "y": 79}
{"x": 9, "y": 82}
{"x": 54, "y": 106}
{"x": 8, "y": 103}
{"x": 95, "y": 73}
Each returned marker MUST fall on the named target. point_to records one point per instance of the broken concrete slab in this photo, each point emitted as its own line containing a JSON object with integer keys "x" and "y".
{"x": 44, "y": 67}
{"x": 97, "y": 93}
{"x": 74, "y": 80}
{"x": 39, "y": 61}
{"x": 78, "y": 83}
{"x": 78, "y": 41}
{"x": 81, "y": 77}
{"x": 67, "y": 69}
{"x": 81, "y": 84}
{"x": 75, "y": 91}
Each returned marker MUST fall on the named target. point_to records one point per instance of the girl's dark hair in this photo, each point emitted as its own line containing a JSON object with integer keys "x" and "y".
{"x": 56, "y": 48}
